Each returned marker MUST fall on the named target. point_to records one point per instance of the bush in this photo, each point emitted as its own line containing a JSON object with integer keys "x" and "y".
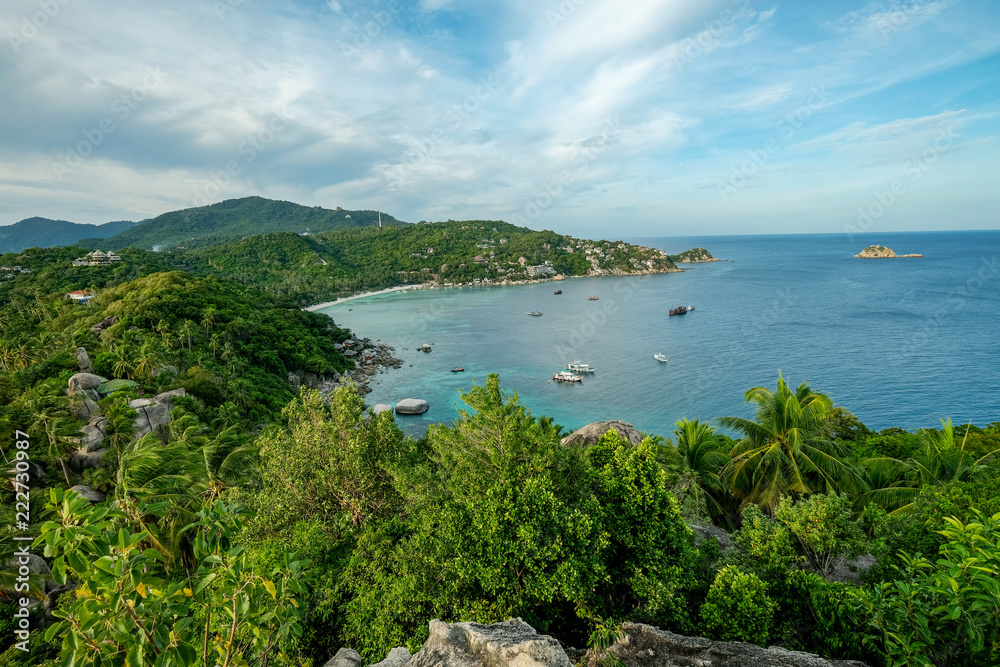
{"x": 738, "y": 607}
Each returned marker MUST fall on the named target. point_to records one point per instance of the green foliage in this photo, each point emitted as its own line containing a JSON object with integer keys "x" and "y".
{"x": 841, "y": 424}
{"x": 701, "y": 454}
{"x": 945, "y": 612}
{"x": 765, "y": 545}
{"x": 738, "y": 607}
{"x": 824, "y": 528}
{"x": 128, "y": 610}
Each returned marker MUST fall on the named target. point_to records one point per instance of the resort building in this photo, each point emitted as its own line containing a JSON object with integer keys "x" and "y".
{"x": 80, "y": 296}
{"x": 540, "y": 270}
{"x": 97, "y": 258}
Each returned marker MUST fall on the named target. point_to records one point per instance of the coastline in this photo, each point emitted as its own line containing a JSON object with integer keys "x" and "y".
{"x": 388, "y": 290}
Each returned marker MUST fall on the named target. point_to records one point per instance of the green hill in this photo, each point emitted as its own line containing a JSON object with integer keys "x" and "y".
{"x": 46, "y": 233}
{"x": 233, "y": 219}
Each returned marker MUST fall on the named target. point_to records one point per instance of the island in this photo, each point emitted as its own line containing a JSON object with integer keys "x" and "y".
{"x": 881, "y": 252}
{"x": 694, "y": 256}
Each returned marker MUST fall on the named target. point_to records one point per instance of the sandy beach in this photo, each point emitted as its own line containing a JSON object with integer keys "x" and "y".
{"x": 398, "y": 288}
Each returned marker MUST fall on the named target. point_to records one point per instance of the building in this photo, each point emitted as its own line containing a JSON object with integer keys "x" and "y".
{"x": 540, "y": 270}
{"x": 97, "y": 258}
{"x": 80, "y": 296}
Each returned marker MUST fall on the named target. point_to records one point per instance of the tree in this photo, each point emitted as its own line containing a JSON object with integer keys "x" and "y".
{"x": 702, "y": 457}
{"x": 783, "y": 450}
{"x": 128, "y": 610}
{"x": 738, "y": 607}
{"x": 824, "y": 528}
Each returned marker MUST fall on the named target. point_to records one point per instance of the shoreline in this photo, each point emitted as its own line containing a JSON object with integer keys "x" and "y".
{"x": 387, "y": 290}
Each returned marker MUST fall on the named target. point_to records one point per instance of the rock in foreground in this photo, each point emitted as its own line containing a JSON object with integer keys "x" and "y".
{"x": 411, "y": 406}
{"x": 512, "y": 643}
{"x": 591, "y": 433}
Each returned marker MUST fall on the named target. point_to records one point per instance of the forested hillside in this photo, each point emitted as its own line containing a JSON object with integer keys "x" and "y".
{"x": 233, "y": 219}
{"x": 45, "y": 233}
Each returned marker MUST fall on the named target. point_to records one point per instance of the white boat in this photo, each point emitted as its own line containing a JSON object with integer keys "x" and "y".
{"x": 660, "y": 357}
{"x": 566, "y": 376}
{"x": 579, "y": 367}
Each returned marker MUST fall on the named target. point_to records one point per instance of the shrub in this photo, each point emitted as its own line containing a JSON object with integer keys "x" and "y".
{"x": 738, "y": 607}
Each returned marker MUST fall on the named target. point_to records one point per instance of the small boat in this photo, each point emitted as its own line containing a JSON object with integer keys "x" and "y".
{"x": 593, "y": 298}
{"x": 680, "y": 310}
{"x": 660, "y": 357}
{"x": 558, "y": 291}
{"x": 458, "y": 370}
{"x": 578, "y": 367}
{"x": 536, "y": 313}
{"x": 566, "y": 376}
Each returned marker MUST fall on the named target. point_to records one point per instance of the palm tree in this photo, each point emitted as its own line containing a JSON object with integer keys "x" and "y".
{"x": 208, "y": 318}
{"x": 227, "y": 460}
{"x": 187, "y": 330}
{"x": 146, "y": 360}
{"x": 783, "y": 450}
{"x": 703, "y": 456}
{"x": 894, "y": 484}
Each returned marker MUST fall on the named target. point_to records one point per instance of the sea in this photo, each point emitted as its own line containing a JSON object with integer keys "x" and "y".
{"x": 899, "y": 342}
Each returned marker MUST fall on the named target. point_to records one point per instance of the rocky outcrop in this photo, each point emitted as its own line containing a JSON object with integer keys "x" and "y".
{"x": 412, "y": 406}
{"x": 512, "y": 643}
{"x": 93, "y": 434}
{"x": 591, "y": 433}
{"x": 646, "y": 646}
{"x": 696, "y": 255}
{"x": 380, "y": 408}
{"x": 881, "y": 252}
{"x": 346, "y": 657}
{"x": 85, "y": 384}
{"x": 397, "y": 657}
{"x": 81, "y": 461}
{"x": 89, "y": 493}
{"x": 369, "y": 359}
{"x": 104, "y": 324}
{"x": 705, "y": 531}
{"x": 83, "y": 360}
{"x": 151, "y": 414}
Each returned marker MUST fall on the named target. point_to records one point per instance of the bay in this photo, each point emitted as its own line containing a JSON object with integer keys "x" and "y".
{"x": 899, "y": 342}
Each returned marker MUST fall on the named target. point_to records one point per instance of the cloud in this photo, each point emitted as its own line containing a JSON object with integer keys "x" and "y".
{"x": 904, "y": 128}
{"x": 884, "y": 17}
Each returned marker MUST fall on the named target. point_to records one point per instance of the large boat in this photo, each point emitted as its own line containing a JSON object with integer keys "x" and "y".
{"x": 536, "y": 313}
{"x": 578, "y": 367}
{"x": 566, "y": 376}
{"x": 660, "y": 357}
{"x": 681, "y": 310}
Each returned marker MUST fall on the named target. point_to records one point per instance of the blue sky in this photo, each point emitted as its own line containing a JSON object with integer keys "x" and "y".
{"x": 590, "y": 117}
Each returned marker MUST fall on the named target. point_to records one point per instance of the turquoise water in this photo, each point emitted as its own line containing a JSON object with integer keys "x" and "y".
{"x": 899, "y": 342}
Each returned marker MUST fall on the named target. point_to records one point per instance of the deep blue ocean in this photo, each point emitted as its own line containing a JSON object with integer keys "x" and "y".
{"x": 899, "y": 342}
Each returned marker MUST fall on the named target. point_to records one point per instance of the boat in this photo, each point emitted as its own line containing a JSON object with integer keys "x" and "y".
{"x": 536, "y": 313}
{"x": 593, "y": 298}
{"x": 458, "y": 370}
{"x": 566, "y": 376}
{"x": 660, "y": 357}
{"x": 558, "y": 291}
{"x": 578, "y": 367}
{"x": 680, "y": 310}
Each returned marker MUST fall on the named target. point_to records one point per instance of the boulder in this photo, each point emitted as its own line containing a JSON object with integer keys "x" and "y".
{"x": 512, "y": 643}
{"x": 702, "y": 532}
{"x": 646, "y": 645}
{"x": 346, "y": 657}
{"x": 104, "y": 324}
{"x": 81, "y": 460}
{"x": 93, "y": 434}
{"x": 591, "y": 433}
{"x": 83, "y": 360}
{"x": 35, "y": 563}
{"x": 90, "y": 493}
{"x": 380, "y": 408}
{"x": 411, "y": 406}
{"x": 153, "y": 414}
{"x": 85, "y": 384}
{"x": 397, "y": 657}
{"x": 83, "y": 406}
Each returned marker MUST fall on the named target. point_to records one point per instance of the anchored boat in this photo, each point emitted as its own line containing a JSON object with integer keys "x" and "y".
{"x": 579, "y": 367}
{"x": 660, "y": 357}
{"x": 536, "y": 313}
{"x": 566, "y": 376}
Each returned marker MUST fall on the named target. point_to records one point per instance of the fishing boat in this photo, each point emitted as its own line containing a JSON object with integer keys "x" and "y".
{"x": 593, "y": 298}
{"x": 536, "y": 313}
{"x": 458, "y": 370}
{"x": 558, "y": 291}
{"x": 566, "y": 376}
{"x": 660, "y": 357}
{"x": 680, "y": 310}
{"x": 578, "y": 367}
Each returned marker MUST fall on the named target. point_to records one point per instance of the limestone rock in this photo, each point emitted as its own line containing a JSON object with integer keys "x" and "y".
{"x": 512, "y": 643}
{"x": 83, "y": 360}
{"x": 411, "y": 406}
{"x": 153, "y": 414}
{"x": 644, "y": 645}
{"x": 90, "y": 493}
{"x": 346, "y": 657}
{"x": 397, "y": 657}
{"x": 380, "y": 408}
{"x": 591, "y": 433}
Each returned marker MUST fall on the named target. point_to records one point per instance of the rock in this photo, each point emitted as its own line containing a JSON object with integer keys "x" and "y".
{"x": 93, "y": 434}
{"x": 83, "y": 406}
{"x": 349, "y": 353}
{"x": 380, "y": 408}
{"x": 346, "y": 657}
{"x": 294, "y": 380}
{"x": 645, "y": 645}
{"x": 876, "y": 252}
{"x": 512, "y": 643}
{"x": 34, "y": 563}
{"x": 153, "y": 414}
{"x": 81, "y": 460}
{"x": 397, "y": 657}
{"x": 104, "y": 324}
{"x": 83, "y": 360}
{"x": 52, "y": 597}
{"x": 851, "y": 570}
{"x": 591, "y": 433}
{"x": 702, "y": 532}
{"x": 90, "y": 493}
{"x": 84, "y": 382}
{"x": 411, "y": 406}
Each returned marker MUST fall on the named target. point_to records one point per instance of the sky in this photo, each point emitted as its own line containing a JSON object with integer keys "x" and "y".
{"x": 588, "y": 117}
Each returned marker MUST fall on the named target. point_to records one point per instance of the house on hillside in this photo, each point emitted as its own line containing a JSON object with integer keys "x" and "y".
{"x": 80, "y": 296}
{"x": 97, "y": 258}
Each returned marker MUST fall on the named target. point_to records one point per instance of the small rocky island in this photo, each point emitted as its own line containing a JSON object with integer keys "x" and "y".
{"x": 880, "y": 252}
{"x": 695, "y": 255}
